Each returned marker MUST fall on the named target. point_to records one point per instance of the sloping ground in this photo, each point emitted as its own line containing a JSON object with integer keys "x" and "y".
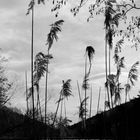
{"x": 14, "y": 126}
{"x": 121, "y": 123}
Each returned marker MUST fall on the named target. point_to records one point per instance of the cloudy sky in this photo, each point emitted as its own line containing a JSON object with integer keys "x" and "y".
{"x": 68, "y": 52}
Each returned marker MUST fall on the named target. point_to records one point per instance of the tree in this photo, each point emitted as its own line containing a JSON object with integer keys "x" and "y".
{"x": 111, "y": 21}
{"x": 117, "y": 98}
{"x": 5, "y": 85}
{"x": 89, "y": 54}
{"x": 113, "y": 80}
{"x": 64, "y": 93}
{"x": 119, "y": 65}
{"x": 31, "y": 8}
{"x": 55, "y": 28}
{"x": 115, "y": 89}
{"x": 60, "y": 124}
{"x": 132, "y": 77}
{"x": 40, "y": 65}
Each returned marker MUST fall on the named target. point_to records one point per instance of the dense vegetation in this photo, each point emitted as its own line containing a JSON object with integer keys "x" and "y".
{"x": 5, "y": 85}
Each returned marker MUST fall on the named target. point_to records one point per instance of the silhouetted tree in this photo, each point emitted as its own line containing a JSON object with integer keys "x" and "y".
{"x": 5, "y": 85}
{"x": 89, "y": 54}
{"x": 55, "y": 28}
{"x": 112, "y": 17}
{"x": 40, "y": 65}
{"x": 64, "y": 93}
{"x": 132, "y": 77}
{"x": 31, "y": 8}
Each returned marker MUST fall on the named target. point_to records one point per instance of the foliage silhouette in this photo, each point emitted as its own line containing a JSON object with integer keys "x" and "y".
{"x": 64, "y": 93}
{"x": 5, "y": 85}
{"x": 52, "y": 35}
{"x": 132, "y": 77}
{"x": 89, "y": 53}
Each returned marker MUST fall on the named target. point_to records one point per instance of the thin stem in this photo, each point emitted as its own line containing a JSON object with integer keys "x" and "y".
{"x": 79, "y": 92}
{"x": 90, "y": 102}
{"x": 98, "y": 100}
{"x": 125, "y": 96}
{"x": 126, "y": 93}
{"x": 56, "y": 110}
{"x": 109, "y": 60}
{"x": 128, "y": 96}
{"x": 46, "y": 90}
{"x": 61, "y": 111}
{"x": 131, "y": 7}
{"x": 106, "y": 63}
{"x": 80, "y": 99}
{"x": 119, "y": 87}
{"x": 104, "y": 102}
{"x": 32, "y": 49}
{"x": 26, "y": 92}
{"x": 85, "y": 86}
{"x": 65, "y": 107}
{"x": 110, "y": 95}
{"x": 39, "y": 105}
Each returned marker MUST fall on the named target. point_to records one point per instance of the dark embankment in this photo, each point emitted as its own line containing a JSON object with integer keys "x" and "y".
{"x": 18, "y": 126}
{"x": 121, "y": 123}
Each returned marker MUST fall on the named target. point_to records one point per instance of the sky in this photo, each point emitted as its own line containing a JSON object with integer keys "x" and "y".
{"x": 68, "y": 52}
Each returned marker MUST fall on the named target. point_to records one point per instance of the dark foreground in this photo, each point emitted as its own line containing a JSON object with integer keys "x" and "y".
{"x": 120, "y": 123}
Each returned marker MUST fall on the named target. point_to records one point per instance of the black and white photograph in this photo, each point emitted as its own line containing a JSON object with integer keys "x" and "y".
{"x": 70, "y": 69}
